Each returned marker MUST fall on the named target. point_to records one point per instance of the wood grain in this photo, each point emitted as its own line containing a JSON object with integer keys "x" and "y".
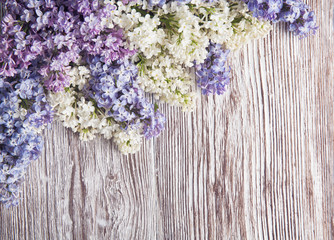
{"x": 255, "y": 163}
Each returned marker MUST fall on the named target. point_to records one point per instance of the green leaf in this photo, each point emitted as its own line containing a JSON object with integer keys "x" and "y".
{"x": 156, "y": 107}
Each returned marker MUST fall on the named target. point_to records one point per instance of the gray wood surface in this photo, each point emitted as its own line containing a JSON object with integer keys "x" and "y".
{"x": 255, "y": 163}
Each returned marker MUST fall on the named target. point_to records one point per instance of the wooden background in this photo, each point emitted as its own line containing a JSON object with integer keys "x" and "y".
{"x": 255, "y": 163}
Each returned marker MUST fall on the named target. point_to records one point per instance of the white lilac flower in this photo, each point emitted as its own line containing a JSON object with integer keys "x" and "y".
{"x": 171, "y": 37}
{"x": 128, "y": 141}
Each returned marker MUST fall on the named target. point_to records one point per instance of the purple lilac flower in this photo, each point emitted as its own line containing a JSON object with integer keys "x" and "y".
{"x": 55, "y": 34}
{"x": 213, "y": 75}
{"x": 114, "y": 89}
{"x": 125, "y": 2}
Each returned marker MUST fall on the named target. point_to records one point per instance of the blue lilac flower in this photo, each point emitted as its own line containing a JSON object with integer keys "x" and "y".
{"x": 114, "y": 89}
{"x": 212, "y": 75}
{"x": 265, "y": 9}
{"x": 154, "y": 127}
{"x": 294, "y": 12}
{"x": 20, "y": 142}
{"x": 159, "y": 3}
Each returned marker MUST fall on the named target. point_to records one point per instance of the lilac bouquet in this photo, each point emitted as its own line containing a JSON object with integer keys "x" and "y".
{"x": 91, "y": 64}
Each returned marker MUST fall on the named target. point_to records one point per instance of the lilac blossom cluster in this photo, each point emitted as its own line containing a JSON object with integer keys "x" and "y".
{"x": 23, "y": 113}
{"x": 294, "y": 12}
{"x": 213, "y": 76}
{"x": 115, "y": 90}
{"x": 33, "y": 99}
{"x": 54, "y": 34}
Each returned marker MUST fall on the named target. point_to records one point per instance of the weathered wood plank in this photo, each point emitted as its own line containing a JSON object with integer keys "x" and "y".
{"x": 256, "y": 163}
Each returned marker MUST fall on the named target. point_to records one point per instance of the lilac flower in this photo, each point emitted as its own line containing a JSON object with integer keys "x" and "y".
{"x": 153, "y": 127}
{"x": 213, "y": 75}
{"x": 19, "y": 142}
{"x": 27, "y": 16}
{"x": 294, "y": 12}
{"x": 34, "y": 3}
{"x": 116, "y": 92}
{"x": 125, "y": 2}
{"x": 159, "y": 3}
{"x": 54, "y": 34}
{"x": 305, "y": 25}
{"x": 31, "y": 93}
